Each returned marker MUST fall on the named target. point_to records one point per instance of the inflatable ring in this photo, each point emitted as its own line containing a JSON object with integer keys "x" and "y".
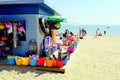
{"x": 44, "y": 26}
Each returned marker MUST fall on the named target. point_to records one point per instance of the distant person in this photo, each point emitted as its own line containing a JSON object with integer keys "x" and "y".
{"x": 105, "y": 33}
{"x": 97, "y": 32}
{"x": 66, "y": 32}
{"x": 80, "y": 33}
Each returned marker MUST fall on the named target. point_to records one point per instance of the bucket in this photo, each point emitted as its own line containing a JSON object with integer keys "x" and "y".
{"x": 11, "y": 60}
{"x": 50, "y": 63}
{"x": 25, "y": 61}
{"x": 70, "y": 49}
{"x": 59, "y": 63}
{"x": 33, "y": 62}
{"x": 41, "y": 62}
{"x": 18, "y": 61}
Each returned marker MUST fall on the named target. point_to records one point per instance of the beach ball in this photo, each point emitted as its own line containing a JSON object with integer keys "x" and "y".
{"x": 8, "y": 25}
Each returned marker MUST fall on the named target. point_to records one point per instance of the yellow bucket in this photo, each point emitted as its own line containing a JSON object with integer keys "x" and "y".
{"x": 18, "y": 61}
{"x": 25, "y": 61}
{"x": 50, "y": 63}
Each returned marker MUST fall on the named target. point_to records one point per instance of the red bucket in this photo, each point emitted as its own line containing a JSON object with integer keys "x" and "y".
{"x": 41, "y": 62}
{"x": 59, "y": 63}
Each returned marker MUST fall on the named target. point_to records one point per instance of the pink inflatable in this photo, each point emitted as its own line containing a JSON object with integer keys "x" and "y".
{"x": 8, "y": 25}
{"x": 21, "y": 29}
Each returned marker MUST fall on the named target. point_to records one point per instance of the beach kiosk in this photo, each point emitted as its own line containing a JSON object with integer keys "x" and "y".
{"x": 19, "y": 22}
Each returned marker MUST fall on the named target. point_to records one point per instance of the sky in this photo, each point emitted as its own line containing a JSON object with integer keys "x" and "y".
{"x": 89, "y": 12}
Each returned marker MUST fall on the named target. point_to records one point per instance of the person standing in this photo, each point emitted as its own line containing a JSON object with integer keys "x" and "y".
{"x": 105, "y": 33}
{"x": 80, "y": 33}
{"x": 97, "y": 32}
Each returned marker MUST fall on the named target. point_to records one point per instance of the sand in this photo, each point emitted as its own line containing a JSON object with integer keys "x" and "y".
{"x": 94, "y": 59}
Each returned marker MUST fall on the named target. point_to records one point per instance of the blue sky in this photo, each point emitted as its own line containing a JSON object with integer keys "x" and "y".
{"x": 89, "y": 11}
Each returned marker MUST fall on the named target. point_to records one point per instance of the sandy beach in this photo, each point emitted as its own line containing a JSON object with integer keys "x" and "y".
{"x": 94, "y": 59}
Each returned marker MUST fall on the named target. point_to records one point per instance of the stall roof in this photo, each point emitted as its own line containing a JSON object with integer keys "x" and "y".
{"x": 39, "y": 3}
{"x": 4, "y": 2}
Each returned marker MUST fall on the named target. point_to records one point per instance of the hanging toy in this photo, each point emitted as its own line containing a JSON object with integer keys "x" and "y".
{"x": 2, "y": 27}
{"x": 21, "y": 29}
{"x": 8, "y": 25}
{"x": 4, "y": 38}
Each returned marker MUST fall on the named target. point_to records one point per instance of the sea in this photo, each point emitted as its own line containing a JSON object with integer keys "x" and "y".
{"x": 91, "y": 29}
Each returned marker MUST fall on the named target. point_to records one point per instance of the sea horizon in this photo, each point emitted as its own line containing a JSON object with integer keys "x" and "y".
{"x": 91, "y": 29}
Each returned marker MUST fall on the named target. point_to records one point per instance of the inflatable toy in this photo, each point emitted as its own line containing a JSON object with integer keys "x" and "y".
{"x": 2, "y": 27}
{"x": 21, "y": 29}
{"x": 44, "y": 26}
{"x": 33, "y": 45}
{"x": 8, "y": 25}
